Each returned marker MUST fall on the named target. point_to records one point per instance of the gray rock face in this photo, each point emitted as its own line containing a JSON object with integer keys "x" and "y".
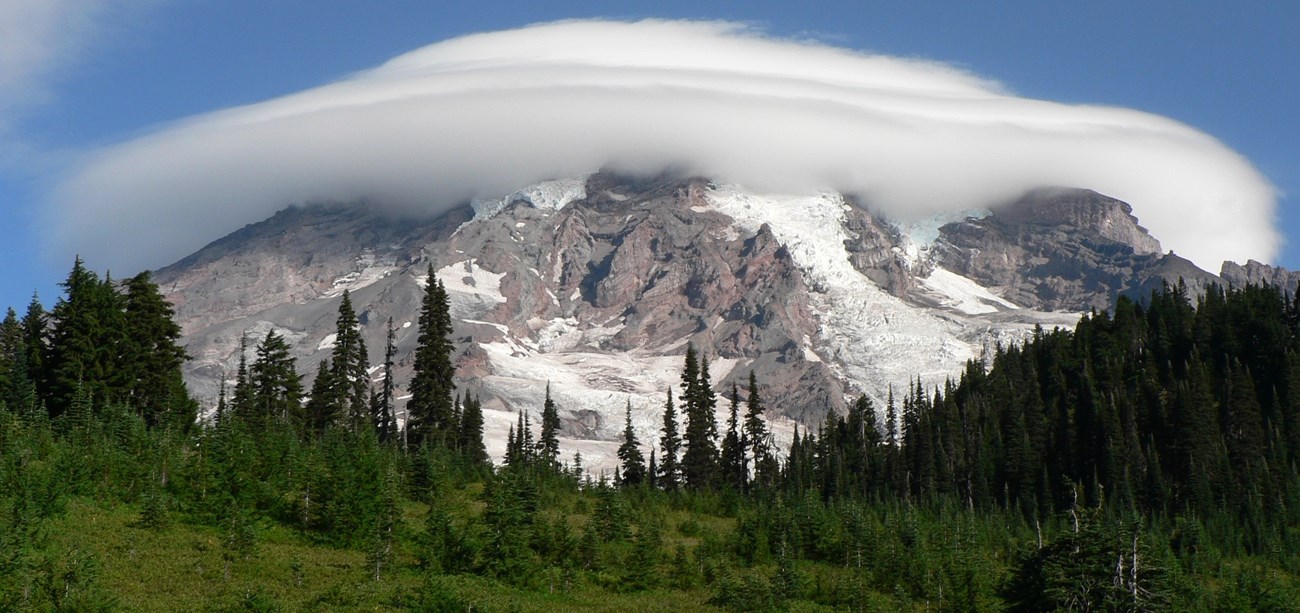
{"x": 596, "y": 286}
{"x": 1062, "y": 249}
{"x": 1255, "y": 273}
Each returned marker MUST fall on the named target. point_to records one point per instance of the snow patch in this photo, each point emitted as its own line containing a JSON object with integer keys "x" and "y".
{"x": 962, "y": 294}
{"x": 471, "y": 289}
{"x": 547, "y": 195}
{"x": 368, "y": 271}
{"x": 328, "y": 342}
{"x": 869, "y": 337}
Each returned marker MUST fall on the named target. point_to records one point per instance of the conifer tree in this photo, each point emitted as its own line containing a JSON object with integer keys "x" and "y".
{"x": 13, "y": 362}
{"x": 322, "y": 411}
{"x": 758, "y": 438}
{"x": 700, "y": 457}
{"x": 471, "y": 432}
{"x": 275, "y": 382}
{"x": 151, "y": 359}
{"x": 652, "y": 470}
{"x": 669, "y": 475}
{"x": 631, "y": 461}
{"x": 429, "y": 411}
{"x": 891, "y": 420}
{"x": 382, "y": 415}
{"x": 85, "y": 340}
{"x": 1291, "y": 421}
{"x": 735, "y": 465}
{"x": 512, "y": 458}
{"x": 548, "y": 441}
{"x": 1244, "y": 436}
{"x": 219, "y": 418}
{"x": 243, "y": 404}
{"x": 348, "y": 367}
{"x": 35, "y": 325}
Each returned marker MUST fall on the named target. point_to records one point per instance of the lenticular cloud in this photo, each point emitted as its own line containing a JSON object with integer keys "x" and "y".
{"x": 485, "y": 114}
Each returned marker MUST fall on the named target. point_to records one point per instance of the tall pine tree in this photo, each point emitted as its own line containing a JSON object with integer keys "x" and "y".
{"x": 429, "y": 413}
{"x": 85, "y": 341}
{"x": 548, "y": 440}
{"x": 757, "y": 437}
{"x": 382, "y": 416}
{"x": 151, "y": 357}
{"x": 276, "y": 385}
{"x": 349, "y": 367}
{"x": 629, "y": 453}
{"x": 700, "y": 458}
{"x": 735, "y": 466}
{"x": 669, "y": 474}
{"x": 471, "y": 432}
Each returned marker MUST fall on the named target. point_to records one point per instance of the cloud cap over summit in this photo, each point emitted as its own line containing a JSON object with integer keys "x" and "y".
{"x": 485, "y": 114}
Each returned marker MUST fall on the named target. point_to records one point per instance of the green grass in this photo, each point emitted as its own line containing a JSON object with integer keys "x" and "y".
{"x": 182, "y": 567}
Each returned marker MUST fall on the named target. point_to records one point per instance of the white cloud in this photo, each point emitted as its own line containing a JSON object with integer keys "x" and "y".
{"x": 485, "y": 114}
{"x": 40, "y": 36}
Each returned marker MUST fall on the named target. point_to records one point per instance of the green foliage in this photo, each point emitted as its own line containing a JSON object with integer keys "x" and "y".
{"x": 1098, "y": 564}
{"x": 350, "y": 390}
{"x": 669, "y": 473}
{"x": 1146, "y": 460}
{"x": 151, "y": 358}
{"x": 430, "y": 415}
{"x": 275, "y": 384}
{"x": 548, "y": 441}
{"x": 700, "y": 440}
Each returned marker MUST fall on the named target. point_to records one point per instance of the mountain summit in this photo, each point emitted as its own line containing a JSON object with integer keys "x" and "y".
{"x": 595, "y": 286}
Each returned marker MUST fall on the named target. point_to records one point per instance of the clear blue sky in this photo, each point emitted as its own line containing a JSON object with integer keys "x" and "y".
{"x": 1230, "y": 71}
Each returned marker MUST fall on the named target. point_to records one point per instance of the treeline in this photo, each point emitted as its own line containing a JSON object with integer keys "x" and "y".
{"x": 1156, "y": 409}
{"x": 1145, "y": 460}
{"x": 103, "y": 341}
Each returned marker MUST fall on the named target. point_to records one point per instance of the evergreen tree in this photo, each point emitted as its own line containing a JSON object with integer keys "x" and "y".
{"x": 86, "y": 340}
{"x": 13, "y": 362}
{"x": 471, "y": 432}
{"x": 322, "y": 410}
{"x": 35, "y": 325}
{"x": 349, "y": 367}
{"x": 631, "y": 461}
{"x": 758, "y": 439}
{"x": 1245, "y": 439}
{"x": 669, "y": 475}
{"x": 735, "y": 465}
{"x": 548, "y": 441}
{"x": 385, "y": 421}
{"x": 275, "y": 382}
{"x": 652, "y": 470}
{"x": 1291, "y": 419}
{"x": 429, "y": 411}
{"x": 243, "y": 404}
{"x": 151, "y": 359}
{"x": 700, "y": 457}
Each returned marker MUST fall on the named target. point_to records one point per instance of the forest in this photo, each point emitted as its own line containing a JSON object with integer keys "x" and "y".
{"x": 1146, "y": 460}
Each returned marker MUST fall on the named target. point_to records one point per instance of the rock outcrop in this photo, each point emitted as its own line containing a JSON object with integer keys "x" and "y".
{"x": 1062, "y": 249}
{"x": 595, "y": 285}
{"x": 1256, "y": 273}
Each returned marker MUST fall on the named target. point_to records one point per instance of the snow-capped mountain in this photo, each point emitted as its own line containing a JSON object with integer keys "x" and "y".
{"x": 596, "y": 284}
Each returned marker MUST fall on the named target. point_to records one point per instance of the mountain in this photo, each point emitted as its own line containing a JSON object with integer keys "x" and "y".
{"x": 596, "y": 284}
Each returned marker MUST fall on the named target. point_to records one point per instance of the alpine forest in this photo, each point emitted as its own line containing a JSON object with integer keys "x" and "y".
{"x": 1147, "y": 460}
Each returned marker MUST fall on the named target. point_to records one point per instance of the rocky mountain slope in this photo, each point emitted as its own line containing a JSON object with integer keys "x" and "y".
{"x": 596, "y": 284}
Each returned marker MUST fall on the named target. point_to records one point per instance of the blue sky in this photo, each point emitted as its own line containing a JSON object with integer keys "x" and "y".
{"x": 124, "y": 71}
